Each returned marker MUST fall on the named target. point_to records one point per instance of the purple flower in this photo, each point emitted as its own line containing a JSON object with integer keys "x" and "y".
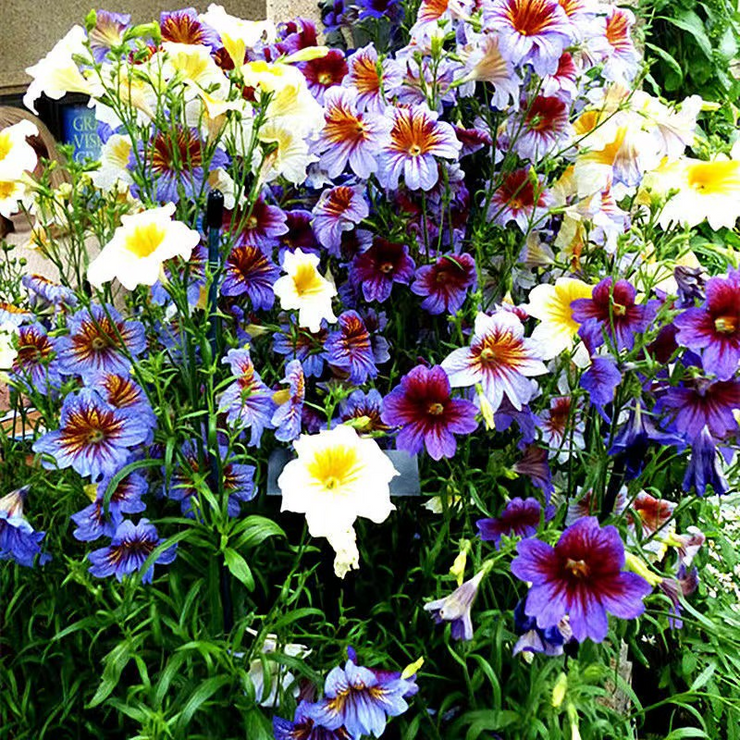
{"x": 122, "y": 392}
{"x": 530, "y": 31}
{"x": 611, "y": 309}
{"x": 365, "y": 409}
{"x": 581, "y": 577}
{"x": 287, "y": 417}
{"x": 350, "y": 137}
{"x": 36, "y": 365}
{"x": 534, "y": 465}
{"x": 97, "y": 341}
{"x": 704, "y": 467}
{"x": 455, "y": 608}
{"x": 40, "y": 287}
{"x": 18, "y": 540}
{"x": 714, "y": 329}
{"x": 426, "y": 413}
{"x": 92, "y": 522}
{"x": 248, "y": 270}
{"x": 521, "y": 197}
{"x": 263, "y": 226}
{"x": 107, "y": 33}
{"x": 545, "y": 126}
{"x": 301, "y": 344}
{"x": 416, "y": 138}
{"x": 520, "y": 517}
{"x": 375, "y": 80}
{"x": 299, "y": 234}
{"x": 305, "y": 727}
{"x": 601, "y": 381}
{"x": 535, "y": 640}
{"x": 185, "y": 27}
{"x": 500, "y": 358}
{"x": 324, "y": 72}
{"x": 360, "y": 700}
{"x": 445, "y": 284}
{"x": 93, "y": 437}
{"x": 349, "y": 349}
{"x": 247, "y": 401}
{"x": 377, "y": 268}
{"x": 338, "y": 209}
{"x": 130, "y": 547}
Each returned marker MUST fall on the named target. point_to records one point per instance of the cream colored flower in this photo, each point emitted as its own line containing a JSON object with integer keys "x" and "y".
{"x": 304, "y": 289}
{"x": 287, "y": 154}
{"x": 347, "y": 556}
{"x": 194, "y": 63}
{"x": 114, "y": 159}
{"x": 16, "y": 154}
{"x": 551, "y": 305}
{"x": 57, "y": 73}
{"x": 275, "y": 673}
{"x": 237, "y": 35}
{"x": 14, "y": 197}
{"x": 140, "y": 246}
{"x": 337, "y": 477}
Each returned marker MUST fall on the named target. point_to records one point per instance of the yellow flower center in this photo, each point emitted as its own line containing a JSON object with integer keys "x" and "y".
{"x": 6, "y": 188}
{"x": 726, "y": 324}
{"x": 5, "y": 146}
{"x": 95, "y": 436}
{"x": 487, "y": 354}
{"x": 435, "y": 409}
{"x": 414, "y": 150}
{"x": 577, "y": 567}
{"x": 713, "y": 177}
{"x": 325, "y": 78}
{"x": 335, "y": 467}
{"x": 307, "y": 281}
{"x": 619, "y": 309}
{"x": 145, "y": 239}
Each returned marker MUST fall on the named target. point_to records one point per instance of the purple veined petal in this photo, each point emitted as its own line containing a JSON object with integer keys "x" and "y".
{"x": 533, "y": 560}
{"x": 547, "y": 603}
{"x": 460, "y": 370}
{"x": 588, "y": 617}
{"x": 623, "y": 595}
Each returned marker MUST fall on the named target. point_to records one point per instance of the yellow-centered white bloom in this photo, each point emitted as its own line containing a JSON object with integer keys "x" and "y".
{"x": 237, "y": 35}
{"x": 706, "y": 190}
{"x": 14, "y": 197}
{"x": 16, "y": 154}
{"x": 551, "y": 305}
{"x": 347, "y": 556}
{"x": 140, "y": 246}
{"x": 286, "y": 153}
{"x": 305, "y": 290}
{"x": 193, "y": 63}
{"x": 57, "y": 73}
{"x": 114, "y": 158}
{"x": 337, "y": 477}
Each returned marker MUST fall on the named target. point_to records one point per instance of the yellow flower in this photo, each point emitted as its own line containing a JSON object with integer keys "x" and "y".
{"x": 16, "y": 154}
{"x": 114, "y": 158}
{"x": 237, "y": 35}
{"x": 14, "y": 196}
{"x": 194, "y": 63}
{"x": 140, "y": 246}
{"x": 551, "y": 305}
{"x": 304, "y": 289}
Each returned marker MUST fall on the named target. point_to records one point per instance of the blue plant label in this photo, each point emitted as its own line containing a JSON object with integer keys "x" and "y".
{"x": 80, "y": 128}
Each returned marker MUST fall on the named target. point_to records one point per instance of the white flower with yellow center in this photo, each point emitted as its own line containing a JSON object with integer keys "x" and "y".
{"x": 551, "y": 305}
{"x": 15, "y": 196}
{"x": 237, "y": 35}
{"x": 286, "y": 153}
{"x": 338, "y": 477}
{"x": 114, "y": 159}
{"x": 16, "y": 154}
{"x": 304, "y": 289}
{"x": 57, "y": 73}
{"x": 140, "y": 246}
{"x": 194, "y": 63}
{"x": 707, "y": 190}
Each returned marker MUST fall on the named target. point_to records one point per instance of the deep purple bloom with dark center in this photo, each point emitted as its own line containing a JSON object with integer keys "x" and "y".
{"x": 376, "y": 8}
{"x": 455, "y": 608}
{"x": 704, "y": 467}
{"x": 263, "y": 227}
{"x": 18, "y": 540}
{"x": 94, "y": 437}
{"x": 521, "y": 517}
{"x": 445, "y": 284}
{"x": 131, "y": 545}
{"x": 287, "y": 417}
{"x": 699, "y": 403}
{"x": 249, "y": 270}
{"x": 92, "y": 521}
{"x": 611, "y": 309}
{"x": 247, "y": 401}
{"x": 581, "y": 577}
{"x": 376, "y": 269}
{"x": 305, "y": 727}
{"x": 299, "y": 234}
{"x": 360, "y": 700}
{"x": 714, "y": 328}
{"x": 534, "y": 465}
{"x": 421, "y": 405}
{"x": 96, "y": 340}
{"x": 349, "y": 349}
{"x": 36, "y": 364}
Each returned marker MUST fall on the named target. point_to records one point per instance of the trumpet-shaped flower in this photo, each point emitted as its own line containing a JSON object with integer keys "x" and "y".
{"x": 287, "y": 417}
{"x": 416, "y": 138}
{"x": 422, "y": 406}
{"x": 349, "y": 348}
{"x": 444, "y": 285}
{"x": 304, "y": 289}
{"x": 185, "y": 27}
{"x": 93, "y": 437}
{"x": 551, "y": 304}
{"x": 485, "y": 63}
{"x": 305, "y": 727}
{"x": 581, "y": 577}
{"x": 376, "y": 269}
{"x": 237, "y": 35}
{"x": 15, "y": 196}
{"x": 337, "y": 477}
{"x": 16, "y": 154}
{"x": 500, "y": 358}
{"x": 131, "y": 545}
{"x": 35, "y": 362}
{"x": 115, "y": 156}
{"x": 289, "y": 154}
{"x": 140, "y": 246}
{"x": 704, "y": 468}
{"x": 521, "y": 197}
{"x": 521, "y": 517}
{"x": 18, "y": 540}
{"x": 57, "y": 73}
{"x": 455, "y": 608}
{"x": 107, "y": 33}
{"x": 544, "y": 127}
{"x": 337, "y": 210}
{"x": 375, "y": 80}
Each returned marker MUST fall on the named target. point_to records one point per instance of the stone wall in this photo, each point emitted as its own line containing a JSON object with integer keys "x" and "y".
{"x": 30, "y": 28}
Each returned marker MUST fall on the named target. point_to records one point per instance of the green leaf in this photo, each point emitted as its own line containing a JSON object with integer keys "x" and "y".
{"x": 254, "y": 530}
{"x": 238, "y": 567}
{"x": 690, "y": 22}
{"x": 201, "y": 695}
{"x": 667, "y": 58}
{"x": 116, "y": 660}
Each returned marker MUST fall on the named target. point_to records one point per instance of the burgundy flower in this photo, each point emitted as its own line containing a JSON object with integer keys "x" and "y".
{"x": 612, "y": 309}
{"x": 376, "y": 269}
{"x": 581, "y": 577}
{"x": 262, "y": 227}
{"x": 426, "y": 413}
{"x": 349, "y": 349}
{"x": 445, "y": 284}
{"x": 521, "y": 517}
{"x": 299, "y": 234}
{"x": 534, "y": 465}
{"x": 714, "y": 328}
{"x": 651, "y": 513}
{"x": 325, "y": 72}
{"x": 250, "y": 271}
